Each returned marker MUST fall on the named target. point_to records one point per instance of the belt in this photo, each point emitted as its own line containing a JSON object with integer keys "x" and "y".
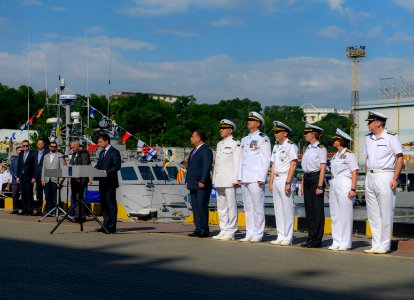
{"x": 280, "y": 174}
{"x": 380, "y": 170}
{"x": 311, "y": 173}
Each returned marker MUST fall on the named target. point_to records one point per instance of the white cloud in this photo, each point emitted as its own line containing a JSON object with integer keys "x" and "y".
{"x": 326, "y": 82}
{"x": 227, "y": 22}
{"x": 353, "y": 16}
{"x": 374, "y": 32}
{"x": 181, "y": 33}
{"x": 331, "y": 31}
{"x": 405, "y": 3}
{"x": 401, "y": 37}
{"x": 95, "y": 30}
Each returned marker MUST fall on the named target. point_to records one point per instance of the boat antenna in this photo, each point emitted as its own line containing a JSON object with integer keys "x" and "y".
{"x": 109, "y": 77}
{"x": 87, "y": 75}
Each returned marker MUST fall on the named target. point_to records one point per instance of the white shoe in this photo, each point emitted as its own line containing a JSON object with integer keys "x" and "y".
{"x": 380, "y": 251}
{"x": 228, "y": 237}
{"x": 246, "y": 239}
{"x": 285, "y": 243}
{"x": 254, "y": 240}
{"x": 333, "y": 247}
{"x": 370, "y": 251}
{"x": 342, "y": 249}
{"x": 219, "y": 236}
{"x": 276, "y": 242}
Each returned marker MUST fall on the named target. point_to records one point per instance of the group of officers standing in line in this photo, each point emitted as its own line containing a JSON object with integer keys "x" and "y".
{"x": 245, "y": 164}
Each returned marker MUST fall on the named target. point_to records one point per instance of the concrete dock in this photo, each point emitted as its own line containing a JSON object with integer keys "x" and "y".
{"x": 158, "y": 261}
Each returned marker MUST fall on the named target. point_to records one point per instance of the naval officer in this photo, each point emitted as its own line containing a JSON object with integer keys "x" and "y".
{"x": 383, "y": 166}
{"x": 314, "y": 165}
{"x": 344, "y": 169}
{"x": 225, "y": 180}
{"x": 253, "y": 168}
{"x": 284, "y": 159}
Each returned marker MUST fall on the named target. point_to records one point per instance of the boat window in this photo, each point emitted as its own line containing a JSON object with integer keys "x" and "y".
{"x": 145, "y": 172}
{"x": 402, "y": 180}
{"x": 410, "y": 182}
{"x": 172, "y": 172}
{"x": 159, "y": 173}
{"x": 128, "y": 173}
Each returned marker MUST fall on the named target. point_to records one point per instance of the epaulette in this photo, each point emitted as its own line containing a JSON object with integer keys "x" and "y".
{"x": 368, "y": 134}
{"x": 262, "y": 134}
{"x": 321, "y": 146}
{"x": 290, "y": 142}
{"x": 391, "y": 132}
{"x": 349, "y": 151}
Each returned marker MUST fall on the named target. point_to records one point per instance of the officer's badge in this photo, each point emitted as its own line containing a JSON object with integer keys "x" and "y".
{"x": 253, "y": 144}
{"x": 282, "y": 156}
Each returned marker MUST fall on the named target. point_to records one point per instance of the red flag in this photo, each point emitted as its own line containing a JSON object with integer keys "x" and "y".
{"x": 180, "y": 175}
{"x": 126, "y": 136}
{"x": 39, "y": 113}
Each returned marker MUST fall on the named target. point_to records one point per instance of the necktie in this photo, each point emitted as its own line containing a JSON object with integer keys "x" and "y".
{"x": 25, "y": 156}
{"x": 103, "y": 154}
{"x": 192, "y": 153}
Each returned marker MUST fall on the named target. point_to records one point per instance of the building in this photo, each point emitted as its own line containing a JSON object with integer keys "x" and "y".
{"x": 164, "y": 97}
{"x": 313, "y": 114}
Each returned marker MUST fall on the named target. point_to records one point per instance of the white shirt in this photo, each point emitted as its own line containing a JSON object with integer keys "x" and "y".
{"x": 51, "y": 157}
{"x": 226, "y": 164}
{"x": 381, "y": 152}
{"x": 314, "y": 156}
{"x": 282, "y": 156}
{"x": 343, "y": 163}
{"x": 254, "y": 158}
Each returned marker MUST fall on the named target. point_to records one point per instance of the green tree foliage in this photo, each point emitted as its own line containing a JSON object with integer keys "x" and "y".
{"x": 157, "y": 122}
{"x": 329, "y": 123}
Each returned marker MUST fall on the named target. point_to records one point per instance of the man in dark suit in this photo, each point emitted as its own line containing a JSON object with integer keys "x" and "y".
{"x": 39, "y": 156}
{"x": 25, "y": 177}
{"x": 198, "y": 181}
{"x": 109, "y": 161}
{"x": 15, "y": 185}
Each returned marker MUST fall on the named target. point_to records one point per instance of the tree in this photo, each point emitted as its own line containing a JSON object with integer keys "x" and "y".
{"x": 330, "y": 123}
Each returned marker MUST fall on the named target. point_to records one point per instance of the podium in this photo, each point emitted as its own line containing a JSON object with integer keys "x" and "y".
{"x": 77, "y": 172}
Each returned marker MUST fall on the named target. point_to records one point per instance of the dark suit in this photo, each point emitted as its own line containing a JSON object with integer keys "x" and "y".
{"x": 15, "y": 185}
{"x": 38, "y": 176}
{"x": 199, "y": 166}
{"x": 111, "y": 163}
{"x": 78, "y": 185}
{"x": 25, "y": 173}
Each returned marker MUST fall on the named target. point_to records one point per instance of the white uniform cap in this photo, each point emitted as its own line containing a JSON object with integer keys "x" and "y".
{"x": 376, "y": 116}
{"x": 339, "y": 134}
{"x": 256, "y": 117}
{"x": 279, "y": 126}
{"x": 227, "y": 124}
{"x": 312, "y": 128}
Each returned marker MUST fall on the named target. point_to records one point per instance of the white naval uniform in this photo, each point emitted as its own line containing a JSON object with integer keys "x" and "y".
{"x": 340, "y": 206}
{"x": 226, "y": 167}
{"x": 380, "y": 198}
{"x": 282, "y": 156}
{"x": 253, "y": 167}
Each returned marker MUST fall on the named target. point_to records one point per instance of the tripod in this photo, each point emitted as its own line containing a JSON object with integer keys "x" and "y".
{"x": 81, "y": 204}
{"x": 57, "y": 208}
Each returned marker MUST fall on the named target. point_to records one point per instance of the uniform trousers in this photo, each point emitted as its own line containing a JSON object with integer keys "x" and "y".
{"x": 26, "y": 187}
{"x": 253, "y": 200}
{"x": 314, "y": 208}
{"x": 380, "y": 199}
{"x": 284, "y": 209}
{"x": 341, "y": 209}
{"x": 227, "y": 209}
{"x": 38, "y": 204}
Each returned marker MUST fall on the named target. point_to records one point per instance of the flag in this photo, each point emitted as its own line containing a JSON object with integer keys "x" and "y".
{"x": 165, "y": 164}
{"x": 140, "y": 144}
{"x": 57, "y": 132}
{"x": 180, "y": 175}
{"x": 22, "y": 128}
{"x": 91, "y": 111}
{"x": 13, "y": 137}
{"x": 3, "y": 145}
{"x": 29, "y": 122}
{"x": 126, "y": 136}
{"x": 39, "y": 113}
{"x": 151, "y": 153}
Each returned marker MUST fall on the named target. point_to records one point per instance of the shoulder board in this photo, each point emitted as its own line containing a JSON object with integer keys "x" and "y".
{"x": 349, "y": 151}
{"x": 391, "y": 132}
{"x": 262, "y": 134}
{"x": 321, "y": 146}
{"x": 368, "y": 134}
{"x": 290, "y": 142}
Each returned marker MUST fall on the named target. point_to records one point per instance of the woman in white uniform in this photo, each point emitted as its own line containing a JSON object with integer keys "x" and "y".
{"x": 344, "y": 168}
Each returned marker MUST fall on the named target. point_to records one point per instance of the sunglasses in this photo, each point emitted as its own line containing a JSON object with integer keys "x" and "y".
{"x": 25, "y": 145}
{"x": 52, "y": 146}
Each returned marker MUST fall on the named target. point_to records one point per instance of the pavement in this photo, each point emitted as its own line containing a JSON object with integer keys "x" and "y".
{"x": 156, "y": 260}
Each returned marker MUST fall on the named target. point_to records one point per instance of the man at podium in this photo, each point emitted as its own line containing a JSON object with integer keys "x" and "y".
{"x": 110, "y": 162}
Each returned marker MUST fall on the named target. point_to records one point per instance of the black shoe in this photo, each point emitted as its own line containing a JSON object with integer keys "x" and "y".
{"x": 304, "y": 245}
{"x": 194, "y": 234}
{"x": 14, "y": 212}
{"x": 314, "y": 245}
{"x": 37, "y": 213}
{"x": 204, "y": 235}
{"x": 22, "y": 213}
{"x": 100, "y": 230}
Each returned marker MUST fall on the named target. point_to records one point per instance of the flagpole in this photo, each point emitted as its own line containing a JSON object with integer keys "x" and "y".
{"x": 28, "y": 86}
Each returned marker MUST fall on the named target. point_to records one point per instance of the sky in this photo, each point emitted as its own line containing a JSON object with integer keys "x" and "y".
{"x": 277, "y": 52}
